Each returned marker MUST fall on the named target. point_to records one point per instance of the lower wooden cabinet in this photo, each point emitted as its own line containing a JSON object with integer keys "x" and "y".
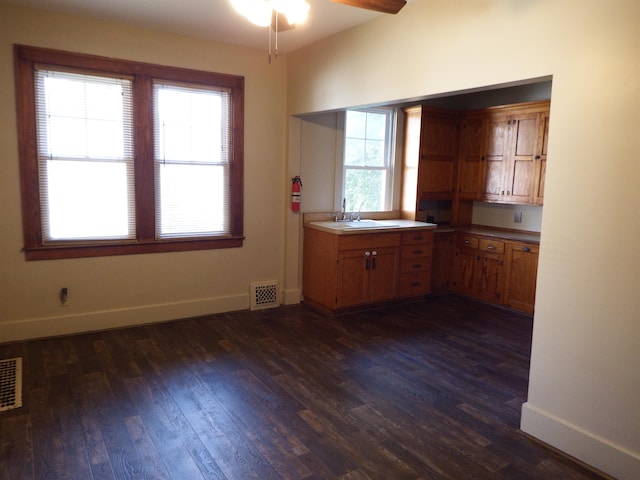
{"x": 441, "y": 262}
{"x": 344, "y": 271}
{"x": 479, "y": 267}
{"x": 415, "y": 263}
{"x": 521, "y": 275}
{"x": 496, "y": 270}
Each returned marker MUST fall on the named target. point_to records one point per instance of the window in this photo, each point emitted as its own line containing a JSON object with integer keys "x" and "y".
{"x": 367, "y": 164}
{"x": 120, "y": 157}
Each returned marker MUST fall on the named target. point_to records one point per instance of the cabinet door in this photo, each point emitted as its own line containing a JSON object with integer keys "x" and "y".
{"x": 441, "y": 262}
{"x": 383, "y": 274}
{"x": 541, "y": 159}
{"x": 353, "y": 275}
{"x": 522, "y": 272}
{"x": 496, "y": 156}
{"x": 489, "y": 277}
{"x": 464, "y": 266}
{"x": 470, "y": 159}
{"x": 438, "y": 150}
{"x": 520, "y": 169}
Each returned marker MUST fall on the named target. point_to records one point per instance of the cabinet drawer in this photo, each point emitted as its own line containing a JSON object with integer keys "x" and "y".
{"x": 411, "y": 238}
{"x": 490, "y": 245}
{"x": 421, "y": 264}
{"x": 468, "y": 241}
{"x": 368, "y": 240}
{"x": 414, "y": 284}
{"x": 416, "y": 251}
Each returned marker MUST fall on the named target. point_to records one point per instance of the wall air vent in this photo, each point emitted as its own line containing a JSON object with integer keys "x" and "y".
{"x": 10, "y": 383}
{"x": 264, "y": 295}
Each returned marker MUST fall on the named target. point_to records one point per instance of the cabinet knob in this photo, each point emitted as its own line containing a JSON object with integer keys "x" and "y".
{"x": 417, "y": 252}
{"x": 416, "y": 265}
{"x": 491, "y": 247}
{"x": 537, "y": 157}
{"x": 526, "y": 249}
{"x": 367, "y": 254}
{"x": 374, "y": 253}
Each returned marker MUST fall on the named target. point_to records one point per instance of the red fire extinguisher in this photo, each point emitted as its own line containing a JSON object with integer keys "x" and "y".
{"x": 295, "y": 193}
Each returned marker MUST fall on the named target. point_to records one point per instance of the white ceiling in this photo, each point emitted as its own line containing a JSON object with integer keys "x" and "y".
{"x": 213, "y": 19}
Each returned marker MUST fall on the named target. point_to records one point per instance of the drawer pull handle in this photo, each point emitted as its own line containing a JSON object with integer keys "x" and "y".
{"x": 417, "y": 252}
{"x": 467, "y": 242}
{"x": 526, "y": 249}
{"x": 416, "y": 265}
{"x": 491, "y": 247}
{"x": 415, "y": 284}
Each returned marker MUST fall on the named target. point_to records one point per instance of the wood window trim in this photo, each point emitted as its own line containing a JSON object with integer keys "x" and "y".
{"x": 26, "y": 59}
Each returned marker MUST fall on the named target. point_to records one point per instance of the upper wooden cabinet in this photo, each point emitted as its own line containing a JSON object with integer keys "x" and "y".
{"x": 430, "y": 165}
{"x": 541, "y": 162}
{"x": 514, "y": 145}
{"x": 496, "y": 154}
{"x": 470, "y": 164}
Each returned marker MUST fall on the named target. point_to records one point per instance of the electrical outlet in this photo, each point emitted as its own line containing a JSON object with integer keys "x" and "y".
{"x": 64, "y": 297}
{"x": 517, "y": 217}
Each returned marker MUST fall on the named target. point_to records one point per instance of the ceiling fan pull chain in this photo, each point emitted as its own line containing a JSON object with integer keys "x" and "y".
{"x": 269, "y": 45}
{"x": 277, "y": 15}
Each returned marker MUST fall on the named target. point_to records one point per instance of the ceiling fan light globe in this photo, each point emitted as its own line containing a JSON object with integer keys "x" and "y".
{"x": 260, "y": 13}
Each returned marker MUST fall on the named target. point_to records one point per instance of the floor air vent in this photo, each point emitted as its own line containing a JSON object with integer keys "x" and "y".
{"x": 264, "y": 295}
{"x": 10, "y": 383}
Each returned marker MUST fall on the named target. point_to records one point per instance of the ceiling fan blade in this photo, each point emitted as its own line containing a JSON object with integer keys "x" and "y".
{"x": 385, "y": 6}
{"x": 283, "y": 23}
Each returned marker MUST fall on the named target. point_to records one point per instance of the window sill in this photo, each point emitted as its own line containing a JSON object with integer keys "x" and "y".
{"x": 65, "y": 251}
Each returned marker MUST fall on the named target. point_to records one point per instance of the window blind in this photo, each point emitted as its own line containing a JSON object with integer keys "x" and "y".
{"x": 85, "y": 156}
{"x": 192, "y": 160}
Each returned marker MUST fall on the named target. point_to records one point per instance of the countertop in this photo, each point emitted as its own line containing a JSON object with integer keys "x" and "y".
{"x": 368, "y": 226}
{"x": 527, "y": 237}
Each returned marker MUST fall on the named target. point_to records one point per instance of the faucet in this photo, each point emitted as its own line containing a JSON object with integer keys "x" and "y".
{"x": 344, "y": 218}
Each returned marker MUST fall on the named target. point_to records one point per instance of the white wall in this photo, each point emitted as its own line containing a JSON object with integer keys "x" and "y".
{"x": 502, "y": 216}
{"x": 585, "y": 376}
{"x": 112, "y": 291}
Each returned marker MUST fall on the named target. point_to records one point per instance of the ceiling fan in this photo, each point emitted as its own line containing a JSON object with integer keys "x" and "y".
{"x": 384, "y": 6}
{"x": 283, "y": 15}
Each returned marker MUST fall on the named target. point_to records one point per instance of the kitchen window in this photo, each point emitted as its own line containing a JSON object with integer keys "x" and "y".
{"x": 367, "y": 167}
{"x": 121, "y": 157}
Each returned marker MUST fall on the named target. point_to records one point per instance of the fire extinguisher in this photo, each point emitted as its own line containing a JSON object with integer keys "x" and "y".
{"x": 295, "y": 193}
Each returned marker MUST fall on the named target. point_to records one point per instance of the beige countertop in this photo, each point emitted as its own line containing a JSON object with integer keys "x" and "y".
{"x": 368, "y": 226}
{"x": 528, "y": 237}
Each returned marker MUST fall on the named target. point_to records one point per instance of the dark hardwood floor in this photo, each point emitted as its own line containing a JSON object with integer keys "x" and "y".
{"x": 428, "y": 390}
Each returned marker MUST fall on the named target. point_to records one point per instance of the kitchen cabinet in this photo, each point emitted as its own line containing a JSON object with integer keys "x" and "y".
{"x": 415, "y": 263}
{"x": 470, "y": 159}
{"x": 514, "y": 146}
{"x": 366, "y": 274}
{"x": 430, "y": 166}
{"x": 441, "y": 262}
{"x": 353, "y": 270}
{"x": 521, "y": 274}
{"x": 479, "y": 267}
{"x": 541, "y": 163}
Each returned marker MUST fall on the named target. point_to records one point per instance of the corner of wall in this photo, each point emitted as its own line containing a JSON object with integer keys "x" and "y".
{"x": 581, "y": 444}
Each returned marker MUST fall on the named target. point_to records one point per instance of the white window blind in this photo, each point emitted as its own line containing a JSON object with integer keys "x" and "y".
{"x": 192, "y": 160}
{"x": 85, "y": 156}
